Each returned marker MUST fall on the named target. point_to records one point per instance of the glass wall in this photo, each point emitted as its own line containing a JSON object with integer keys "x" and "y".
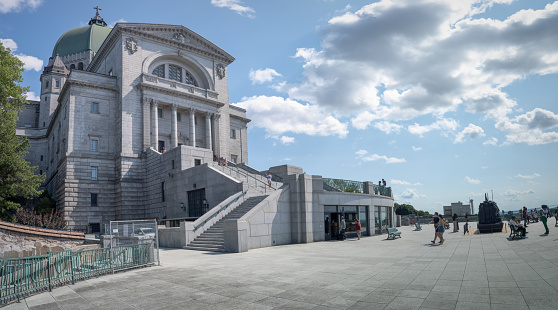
{"x": 332, "y": 220}
{"x": 383, "y": 219}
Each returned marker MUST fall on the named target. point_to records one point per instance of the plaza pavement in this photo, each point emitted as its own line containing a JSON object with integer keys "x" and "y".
{"x": 466, "y": 272}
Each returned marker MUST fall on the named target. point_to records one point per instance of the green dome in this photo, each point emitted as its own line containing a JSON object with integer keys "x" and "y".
{"x": 80, "y": 40}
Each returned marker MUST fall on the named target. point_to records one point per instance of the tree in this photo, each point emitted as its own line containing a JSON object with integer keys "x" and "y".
{"x": 17, "y": 177}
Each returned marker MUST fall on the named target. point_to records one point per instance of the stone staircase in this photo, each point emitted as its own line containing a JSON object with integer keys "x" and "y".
{"x": 213, "y": 239}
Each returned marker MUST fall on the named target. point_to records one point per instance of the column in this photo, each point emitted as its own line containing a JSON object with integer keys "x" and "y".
{"x": 192, "y": 128}
{"x": 155, "y": 125}
{"x": 174, "y": 135}
{"x": 208, "y": 130}
{"x": 146, "y": 123}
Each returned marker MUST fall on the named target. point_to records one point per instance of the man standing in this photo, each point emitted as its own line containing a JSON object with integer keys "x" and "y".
{"x": 436, "y": 221}
{"x": 525, "y": 216}
{"x": 545, "y": 214}
{"x": 455, "y": 223}
{"x": 343, "y": 227}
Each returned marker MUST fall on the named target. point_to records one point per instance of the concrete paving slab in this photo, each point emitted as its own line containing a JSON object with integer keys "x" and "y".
{"x": 466, "y": 272}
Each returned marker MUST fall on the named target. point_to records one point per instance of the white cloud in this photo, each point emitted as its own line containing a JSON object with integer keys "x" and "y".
{"x": 471, "y": 181}
{"x": 287, "y": 159}
{"x": 388, "y": 127}
{"x": 9, "y": 43}
{"x": 397, "y": 60}
{"x": 416, "y": 149}
{"x": 121, "y": 20}
{"x": 361, "y": 152}
{"x": 263, "y": 76}
{"x": 287, "y": 140}
{"x": 471, "y": 131}
{"x": 31, "y": 62}
{"x": 362, "y": 155}
{"x": 278, "y": 115}
{"x": 517, "y": 195}
{"x": 492, "y": 141}
{"x": 7, "y": 6}
{"x": 410, "y": 193}
{"x": 530, "y": 127}
{"x": 234, "y": 5}
{"x": 31, "y": 96}
{"x": 400, "y": 182}
{"x": 532, "y": 176}
{"x": 444, "y": 125}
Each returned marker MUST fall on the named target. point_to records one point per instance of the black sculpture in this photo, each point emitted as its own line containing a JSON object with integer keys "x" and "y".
{"x": 489, "y": 217}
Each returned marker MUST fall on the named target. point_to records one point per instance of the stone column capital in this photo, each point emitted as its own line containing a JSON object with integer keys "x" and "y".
{"x": 174, "y": 106}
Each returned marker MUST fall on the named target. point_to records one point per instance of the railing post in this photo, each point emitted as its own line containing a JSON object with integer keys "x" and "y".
{"x": 72, "y": 266}
{"x": 48, "y": 274}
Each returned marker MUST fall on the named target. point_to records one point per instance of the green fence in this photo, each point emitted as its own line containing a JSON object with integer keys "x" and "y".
{"x": 22, "y": 276}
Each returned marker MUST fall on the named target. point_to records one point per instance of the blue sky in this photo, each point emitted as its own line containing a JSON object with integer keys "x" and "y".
{"x": 445, "y": 100}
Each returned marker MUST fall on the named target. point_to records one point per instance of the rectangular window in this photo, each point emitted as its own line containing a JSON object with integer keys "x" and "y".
{"x": 94, "y": 145}
{"x": 41, "y": 157}
{"x": 173, "y": 164}
{"x": 178, "y": 117}
{"x": 233, "y": 159}
{"x": 195, "y": 120}
{"x": 94, "y": 173}
{"x": 95, "y": 107}
{"x": 197, "y": 162}
{"x": 163, "y": 192}
{"x": 233, "y": 134}
{"x": 94, "y": 200}
{"x": 160, "y": 113}
{"x": 46, "y": 86}
{"x": 57, "y": 85}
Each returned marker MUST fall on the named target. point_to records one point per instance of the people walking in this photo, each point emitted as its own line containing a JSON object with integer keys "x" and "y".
{"x": 342, "y": 227}
{"x": 455, "y": 223}
{"x": 436, "y": 222}
{"x": 545, "y": 214}
{"x": 269, "y": 178}
{"x": 440, "y": 230}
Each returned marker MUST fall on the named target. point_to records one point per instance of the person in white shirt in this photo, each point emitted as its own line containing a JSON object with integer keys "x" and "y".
{"x": 517, "y": 226}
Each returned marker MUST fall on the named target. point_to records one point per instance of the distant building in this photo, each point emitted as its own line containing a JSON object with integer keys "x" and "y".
{"x": 459, "y": 208}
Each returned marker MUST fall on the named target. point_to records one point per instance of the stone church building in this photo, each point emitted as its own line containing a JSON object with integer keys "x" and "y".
{"x": 130, "y": 121}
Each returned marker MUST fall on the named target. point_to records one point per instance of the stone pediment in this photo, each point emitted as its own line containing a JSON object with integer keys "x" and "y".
{"x": 177, "y": 35}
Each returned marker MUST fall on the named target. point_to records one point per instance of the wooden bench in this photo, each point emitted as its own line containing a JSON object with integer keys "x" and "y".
{"x": 417, "y": 226}
{"x": 392, "y": 233}
{"x": 514, "y": 232}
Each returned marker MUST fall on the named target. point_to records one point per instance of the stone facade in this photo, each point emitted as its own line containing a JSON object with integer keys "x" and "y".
{"x": 97, "y": 133}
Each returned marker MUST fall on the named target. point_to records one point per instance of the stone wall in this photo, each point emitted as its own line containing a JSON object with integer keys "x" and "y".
{"x": 23, "y": 241}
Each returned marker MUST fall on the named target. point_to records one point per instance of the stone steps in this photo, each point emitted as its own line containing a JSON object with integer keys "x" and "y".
{"x": 213, "y": 239}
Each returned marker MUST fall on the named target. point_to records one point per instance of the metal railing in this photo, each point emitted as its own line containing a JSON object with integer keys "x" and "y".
{"x": 225, "y": 206}
{"x": 345, "y": 185}
{"x": 382, "y": 190}
{"x": 24, "y": 276}
{"x": 250, "y": 179}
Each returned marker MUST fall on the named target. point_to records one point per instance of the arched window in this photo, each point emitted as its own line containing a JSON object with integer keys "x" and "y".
{"x": 159, "y": 71}
{"x": 73, "y": 66}
{"x": 189, "y": 79}
{"x": 175, "y": 73}
{"x": 80, "y": 66}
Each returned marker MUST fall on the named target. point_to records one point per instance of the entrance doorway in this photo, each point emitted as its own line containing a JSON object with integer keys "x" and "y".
{"x": 196, "y": 200}
{"x": 332, "y": 220}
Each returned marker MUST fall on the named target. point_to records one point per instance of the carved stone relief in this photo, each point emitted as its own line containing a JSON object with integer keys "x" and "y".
{"x": 131, "y": 45}
{"x": 220, "y": 71}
